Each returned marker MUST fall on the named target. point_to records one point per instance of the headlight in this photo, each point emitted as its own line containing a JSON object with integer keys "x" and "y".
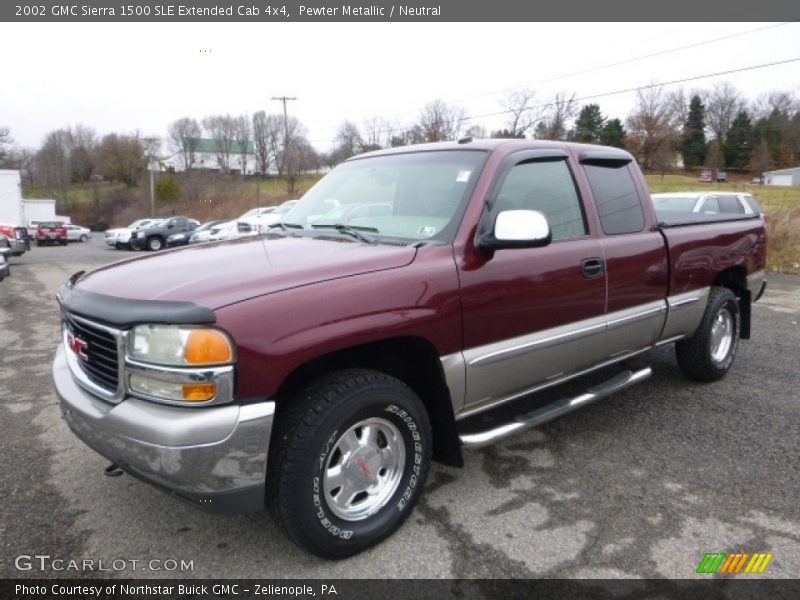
{"x": 140, "y": 234}
{"x": 180, "y": 345}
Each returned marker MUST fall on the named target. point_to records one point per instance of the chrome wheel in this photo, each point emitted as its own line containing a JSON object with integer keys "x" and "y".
{"x": 722, "y": 336}
{"x": 364, "y": 469}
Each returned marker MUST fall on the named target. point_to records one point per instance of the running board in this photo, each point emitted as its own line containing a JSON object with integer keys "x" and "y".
{"x": 554, "y": 410}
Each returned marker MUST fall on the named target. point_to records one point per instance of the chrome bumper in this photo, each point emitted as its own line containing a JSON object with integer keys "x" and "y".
{"x": 213, "y": 457}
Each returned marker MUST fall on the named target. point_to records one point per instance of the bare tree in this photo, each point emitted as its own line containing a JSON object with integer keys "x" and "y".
{"x": 184, "y": 137}
{"x": 6, "y": 145}
{"x": 52, "y": 160}
{"x": 243, "y": 139}
{"x": 761, "y": 159}
{"x": 652, "y": 123}
{"x": 723, "y": 103}
{"x": 267, "y": 134}
{"x": 775, "y": 103}
{"x": 523, "y": 114}
{"x": 222, "y": 129}
{"x": 440, "y": 122}
{"x": 375, "y": 130}
{"x": 348, "y": 141}
{"x": 554, "y": 124}
{"x": 300, "y": 158}
{"x": 123, "y": 157}
{"x": 81, "y": 146}
{"x": 477, "y": 132}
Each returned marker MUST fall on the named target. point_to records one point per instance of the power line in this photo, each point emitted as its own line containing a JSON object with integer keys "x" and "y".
{"x": 630, "y": 60}
{"x": 606, "y": 94}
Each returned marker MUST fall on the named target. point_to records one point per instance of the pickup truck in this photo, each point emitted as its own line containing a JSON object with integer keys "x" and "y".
{"x": 318, "y": 368}
{"x": 154, "y": 236}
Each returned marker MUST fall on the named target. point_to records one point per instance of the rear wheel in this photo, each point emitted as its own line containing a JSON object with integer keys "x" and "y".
{"x": 349, "y": 461}
{"x": 155, "y": 243}
{"x": 708, "y": 355}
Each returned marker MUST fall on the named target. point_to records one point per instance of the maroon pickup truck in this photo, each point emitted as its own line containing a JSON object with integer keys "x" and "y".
{"x": 319, "y": 367}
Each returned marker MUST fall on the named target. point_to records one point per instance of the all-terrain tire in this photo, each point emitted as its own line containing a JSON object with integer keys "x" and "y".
{"x": 363, "y": 429}
{"x": 708, "y": 355}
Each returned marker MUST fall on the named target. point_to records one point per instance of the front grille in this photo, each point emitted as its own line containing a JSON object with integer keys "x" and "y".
{"x": 101, "y": 365}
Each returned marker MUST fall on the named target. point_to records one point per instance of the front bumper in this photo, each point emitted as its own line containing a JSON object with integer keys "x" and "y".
{"x": 215, "y": 458}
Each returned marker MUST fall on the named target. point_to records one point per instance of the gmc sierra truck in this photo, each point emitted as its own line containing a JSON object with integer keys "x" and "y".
{"x": 318, "y": 368}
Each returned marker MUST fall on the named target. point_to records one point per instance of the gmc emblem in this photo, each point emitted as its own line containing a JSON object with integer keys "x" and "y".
{"x": 77, "y": 345}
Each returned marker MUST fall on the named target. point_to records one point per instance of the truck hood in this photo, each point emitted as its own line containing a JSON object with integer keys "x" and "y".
{"x": 218, "y": 274}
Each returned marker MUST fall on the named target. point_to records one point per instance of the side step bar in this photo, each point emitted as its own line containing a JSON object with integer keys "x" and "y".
{"x": 554, "y": 410}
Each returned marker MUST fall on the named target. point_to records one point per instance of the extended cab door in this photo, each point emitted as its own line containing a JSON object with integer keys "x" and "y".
{"x": 635, "y": 254}
{"x": 532, "y": 315}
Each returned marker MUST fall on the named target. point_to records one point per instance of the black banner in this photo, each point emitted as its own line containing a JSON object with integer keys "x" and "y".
{"x": 278, "y": 11}
{"x": 424, "y": 589}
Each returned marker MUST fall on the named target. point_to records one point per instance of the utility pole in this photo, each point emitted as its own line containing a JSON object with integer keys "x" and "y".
{"x": 150, "y": 141}
{"x": 284, "y": 100}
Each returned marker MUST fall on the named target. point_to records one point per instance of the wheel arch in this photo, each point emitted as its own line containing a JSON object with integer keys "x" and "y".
{"x": 414, "y": 361}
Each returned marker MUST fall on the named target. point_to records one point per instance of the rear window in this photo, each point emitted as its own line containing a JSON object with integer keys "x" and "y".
{"x": 50, "y": 224}
{"x": 674, "y": 203}
{"x": 730, "y": 205}
{"x": 753, "y": 203}
{"x": 617, "y": 199}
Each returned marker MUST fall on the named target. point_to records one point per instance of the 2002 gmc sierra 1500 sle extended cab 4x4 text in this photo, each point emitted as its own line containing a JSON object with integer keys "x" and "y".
{"x": 319, "y": 368}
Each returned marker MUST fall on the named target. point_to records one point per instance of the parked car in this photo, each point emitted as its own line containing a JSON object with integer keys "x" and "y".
{"x": 230, "y": 230}
{"x": 202, "y": 233}
{"x": 319, "y": 369}
{"x": 51, "y": 232}
{"x": 273, "y": 217}
{"x": 154, "y": 236}
{"x": 76, "y": 233}
{"x": 707, "y": 203}
{"x": 5, "y": 268}
{"x": 17, "y": 238}
{"x": 120, "y": 237}
{"x": 255, "y": 216}
{"x": 712, "y": 175}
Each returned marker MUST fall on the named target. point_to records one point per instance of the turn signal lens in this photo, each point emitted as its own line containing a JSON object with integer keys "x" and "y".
{"x": 199, "y": 392}
{"x": 207, "y": 346}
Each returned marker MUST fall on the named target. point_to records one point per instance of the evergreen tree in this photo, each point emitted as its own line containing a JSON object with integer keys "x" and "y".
{"x": 739, "y": 142}
{"x": 589, "y": 125}
{"x": 168, "y": 190}
{"x": 613, "y": 134}
{"x": 693, "y": 145}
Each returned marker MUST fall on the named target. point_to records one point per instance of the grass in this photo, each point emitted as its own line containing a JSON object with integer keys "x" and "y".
{"x": 780, "y": 203}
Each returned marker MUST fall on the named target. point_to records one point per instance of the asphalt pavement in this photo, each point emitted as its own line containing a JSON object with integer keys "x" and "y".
{"x": 641, "y": 484}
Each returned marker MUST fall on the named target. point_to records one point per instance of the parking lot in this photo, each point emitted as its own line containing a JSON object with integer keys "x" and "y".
{"x": 641, "y": 484}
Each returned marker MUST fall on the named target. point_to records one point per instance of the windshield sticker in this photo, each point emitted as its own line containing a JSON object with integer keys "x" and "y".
{"x": 463, "y": 176}
{"x": 426, "y": 230}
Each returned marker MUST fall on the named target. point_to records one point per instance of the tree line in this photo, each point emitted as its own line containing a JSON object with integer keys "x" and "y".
{"x": 715, "y": 128}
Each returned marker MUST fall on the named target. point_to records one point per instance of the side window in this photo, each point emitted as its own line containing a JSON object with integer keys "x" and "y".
{"x": 547, "y": 187}
{"x": 710, "y": 206}
{"x": 730, "y": 204}
{"x": 617, "y": 200}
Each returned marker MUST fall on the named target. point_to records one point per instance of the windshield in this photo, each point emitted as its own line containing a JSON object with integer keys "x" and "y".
{"x": 674, "y": 203}
{"x": 415, "y": 196}
{"x": 285, "y": 207}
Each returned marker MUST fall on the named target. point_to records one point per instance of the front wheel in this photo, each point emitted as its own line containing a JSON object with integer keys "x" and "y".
{"x": 83, "y": 237}
{"x": 350, "y": 458}
{"x": 708, "y": 355}
{"x": 155, "y": 243}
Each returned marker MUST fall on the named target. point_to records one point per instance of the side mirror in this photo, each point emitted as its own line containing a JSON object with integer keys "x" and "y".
{"x": 517, "y": 229}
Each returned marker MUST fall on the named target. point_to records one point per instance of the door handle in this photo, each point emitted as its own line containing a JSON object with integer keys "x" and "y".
{"x": 592, "y": 267}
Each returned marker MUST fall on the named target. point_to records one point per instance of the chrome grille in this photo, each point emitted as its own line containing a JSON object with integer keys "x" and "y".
{"x": 101, "y": 365}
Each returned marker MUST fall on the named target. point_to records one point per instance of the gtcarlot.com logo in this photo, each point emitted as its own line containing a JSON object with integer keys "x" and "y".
{"x": 733, "y": 563}
{"x": 45, "y": 562}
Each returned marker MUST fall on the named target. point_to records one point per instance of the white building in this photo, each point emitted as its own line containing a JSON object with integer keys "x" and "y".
{"x": 208, "y": 156}
{"x": 783, "y": 177}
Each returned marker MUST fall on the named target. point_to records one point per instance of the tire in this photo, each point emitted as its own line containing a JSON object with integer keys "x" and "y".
{"x": 63, "y": 242}
{"x": 118, "y": 245}
{"x": 155, "y": 243}
{"x": 344, "y": 415}
{"x": 708, "y": 355}
{"x": 84, "y": 238}
{"x": 38, "y": 243}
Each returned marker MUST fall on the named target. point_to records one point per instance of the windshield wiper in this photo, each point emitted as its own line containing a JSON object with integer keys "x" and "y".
{"x": 285, "y": 226}
{"x": 352, "y": 230}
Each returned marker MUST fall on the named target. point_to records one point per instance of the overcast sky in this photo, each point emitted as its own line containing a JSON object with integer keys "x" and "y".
{"x": 124, "y": 77}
